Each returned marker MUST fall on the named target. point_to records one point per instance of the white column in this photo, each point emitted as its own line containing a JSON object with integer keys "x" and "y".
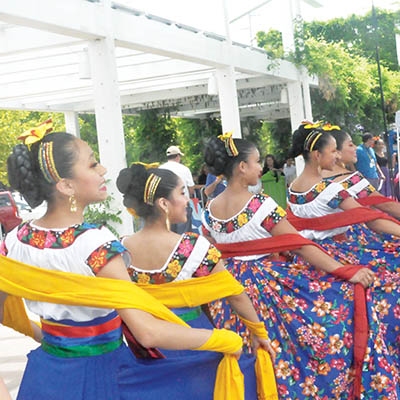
{"x": 228, "y": 101}
{"x": 72, "y": 123}
{"x": 109, "y": 125}
{"x": 227, "y": 90}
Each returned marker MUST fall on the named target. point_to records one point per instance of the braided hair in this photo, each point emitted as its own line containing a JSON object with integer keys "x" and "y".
{"x": 28, "y": 176}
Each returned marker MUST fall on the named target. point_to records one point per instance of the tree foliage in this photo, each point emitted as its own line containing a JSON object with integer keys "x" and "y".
{"x": 342, "y": 54}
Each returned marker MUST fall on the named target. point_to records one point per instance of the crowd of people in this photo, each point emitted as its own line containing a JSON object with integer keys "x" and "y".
{"x": 266, "y": 303}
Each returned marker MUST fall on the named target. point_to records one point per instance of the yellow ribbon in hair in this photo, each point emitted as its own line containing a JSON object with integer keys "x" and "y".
{"x": 311, "y": 125}
{"x": 147, "y": 166}
{"x": 37, "y": 133}
{"x": 329, "y": 127}
{"x": 22, "y": 280}
{"x": 230, "y": 146}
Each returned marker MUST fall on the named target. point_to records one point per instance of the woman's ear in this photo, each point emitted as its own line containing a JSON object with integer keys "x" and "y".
{"x": 65, "y": 187}
{"x": 162, "y": 203}
{"x": 242, "y": 166}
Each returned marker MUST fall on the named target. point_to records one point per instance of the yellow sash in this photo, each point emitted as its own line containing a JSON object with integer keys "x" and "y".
{"x": 39, "y": 284}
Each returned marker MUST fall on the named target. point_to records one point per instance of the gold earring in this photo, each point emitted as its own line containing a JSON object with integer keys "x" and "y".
{"x": 72, "y": 204}
{"x": 167, "y": 220}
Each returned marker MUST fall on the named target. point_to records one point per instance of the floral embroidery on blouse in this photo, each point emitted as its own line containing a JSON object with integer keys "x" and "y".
{"x": 102, "y": 255}
{"x": 354, "y": 179}
{"x": 245, "y": 216}
{"x": 177, "y": 262}
{"x": 273, "y": 218}
{"x": 316, "y": 191}
{"x": 42, "y": 239}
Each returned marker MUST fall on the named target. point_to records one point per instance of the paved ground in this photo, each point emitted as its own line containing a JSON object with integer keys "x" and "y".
{"x": 13, "y": 350}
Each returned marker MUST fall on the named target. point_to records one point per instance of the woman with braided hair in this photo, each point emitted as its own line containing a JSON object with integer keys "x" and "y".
{"x": 160, "y": 256}
{"x": 327, "y": 211}
{"x": 308, "y": 310}
{"x": 82, "y": 355}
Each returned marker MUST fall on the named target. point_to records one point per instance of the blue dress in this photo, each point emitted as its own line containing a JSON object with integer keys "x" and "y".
{"x": 193, "y": 257}
{"x": 357, "y": 244}
{"x": 309, "y": 314}
{"x": 83, "y": 355}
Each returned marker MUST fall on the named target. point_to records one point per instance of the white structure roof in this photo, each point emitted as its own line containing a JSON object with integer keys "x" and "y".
{"x": 44, "y": 61}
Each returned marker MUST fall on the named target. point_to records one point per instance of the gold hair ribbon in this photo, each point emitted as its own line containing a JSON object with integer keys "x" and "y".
{"x": 150, "y": 188}
{"x": 330, "y": 127}
{"x": 229, "y": 144}
{"x": 315, "y": 141}
{"x": 147, "y": 166}
{"x": 36, "y": 134}
{"x": 311, "y": 125}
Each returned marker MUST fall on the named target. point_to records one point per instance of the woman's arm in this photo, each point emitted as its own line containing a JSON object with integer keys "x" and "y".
{"x": 243, "y": 306}
{"x": 392, "y": 208}
{"x": 320, "y": 259}
{"x": 377, "y": 225}
{"x": 241, "y": 302}
{"x": 151, "y": 331}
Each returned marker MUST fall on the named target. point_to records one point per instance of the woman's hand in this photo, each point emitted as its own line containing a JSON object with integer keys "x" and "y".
{"x": 237, "y": 354}
{"x": 265, "y": 344}
{"x": 364, "y": 276}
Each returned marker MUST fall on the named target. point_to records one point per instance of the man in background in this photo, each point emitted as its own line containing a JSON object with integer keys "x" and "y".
{"x": 174, "y": 157}
{"x": 366, "y": 161}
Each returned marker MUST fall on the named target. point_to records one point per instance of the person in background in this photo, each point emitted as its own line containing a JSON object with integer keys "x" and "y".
{"x": 83, "y": 355}
{"x": 382, "y": 162}
{"x": 289, "y": 170}
{"x": 214, "y": 185}
{"x": 366, "y": 161}
{"x": 174, "y": 164}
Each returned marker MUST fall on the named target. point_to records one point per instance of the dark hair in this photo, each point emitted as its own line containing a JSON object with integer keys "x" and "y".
{"x": 306, "y": 140}
{"x": 275, "y": 163}
{"x": 25, "y": 175}
{"x": 366, "y": 136}
{"x": 340, "y": 136}
{"x": 131, "y": 183}
{"x": 218, "y": 160}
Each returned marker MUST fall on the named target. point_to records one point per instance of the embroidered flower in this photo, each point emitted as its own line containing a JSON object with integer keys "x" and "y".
{"x": 23, "y": 231}
{"x": 50, "y": 239}
{"x": 213, "y": 254}
{"x": 143, "y": 278}
{"x": 254, "y": 204}
{"x": 38, "y": 239}
{"x": 98, "y": 259}
{"x": 216, "y": 226}
{"x": 67, "y": 237}
{"x": 242, "y": 219}
{"x": 174, "y": 268}
{"x": 230, "y": 227}
{"x": 185, "y": 248}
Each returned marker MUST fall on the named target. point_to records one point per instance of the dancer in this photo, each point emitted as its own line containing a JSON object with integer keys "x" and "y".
{"x": 159, "y": 256}
{"x": 353, "y": 181}
{"x": 349, "y": 240}
{"x": 309, "y": 314}
{"x": 82, "y": 355}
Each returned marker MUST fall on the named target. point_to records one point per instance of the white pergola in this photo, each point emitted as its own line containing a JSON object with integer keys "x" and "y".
{"x": 102, "y": 57}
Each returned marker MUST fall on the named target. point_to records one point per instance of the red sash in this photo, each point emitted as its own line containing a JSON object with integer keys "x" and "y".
{"x": 337, "y": 220}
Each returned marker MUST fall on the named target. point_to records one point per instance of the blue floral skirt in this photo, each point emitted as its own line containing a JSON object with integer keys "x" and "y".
{"x": 309, "y": 316}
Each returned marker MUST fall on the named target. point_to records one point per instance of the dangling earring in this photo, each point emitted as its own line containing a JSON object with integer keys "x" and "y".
{"x": 72, "y": 204}
{"x": 167, "y": 223}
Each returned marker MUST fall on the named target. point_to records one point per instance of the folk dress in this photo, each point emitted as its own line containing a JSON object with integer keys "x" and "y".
{"x": 83, "y": 355}
{"x": 192, "y": 257}
{"x": 308, "y": 314}
{"x": 357, "y": 244}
